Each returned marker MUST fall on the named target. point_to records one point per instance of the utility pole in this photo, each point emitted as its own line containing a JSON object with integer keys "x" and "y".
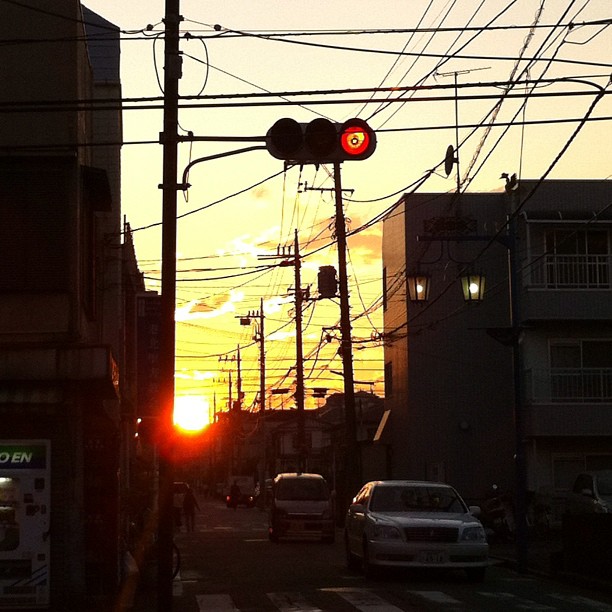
{"x": 169, "y": 140}
{"x": 239, "y": 383}
{"x": 352, "y": 459}
{"x": 299, "y": 359}
{"x": 260, "y": 338}
{"x": 262, "y": 361}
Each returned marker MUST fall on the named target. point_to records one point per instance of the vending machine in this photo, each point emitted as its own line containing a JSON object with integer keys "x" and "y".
{"x": 25, "y": 478}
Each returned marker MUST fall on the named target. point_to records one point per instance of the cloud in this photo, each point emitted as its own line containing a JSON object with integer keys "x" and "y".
{"x": 201, "y": 309}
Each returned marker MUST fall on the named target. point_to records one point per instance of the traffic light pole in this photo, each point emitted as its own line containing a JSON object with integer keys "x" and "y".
{"x": 169, "y": 138}
{"x": 352, "y": 459}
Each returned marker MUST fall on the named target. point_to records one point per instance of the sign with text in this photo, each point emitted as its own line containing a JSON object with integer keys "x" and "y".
{"x": 25, "y": 536}
{"x": 148, "y": 330}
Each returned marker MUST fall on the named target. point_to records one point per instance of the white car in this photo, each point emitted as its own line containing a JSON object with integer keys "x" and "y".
{"x": 592, "y": 492}
{"x": 409, "y": 523}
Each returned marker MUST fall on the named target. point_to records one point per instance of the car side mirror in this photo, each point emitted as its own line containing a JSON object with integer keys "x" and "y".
{"x": 475, "y": 511}
{"x": 358, "y": 508}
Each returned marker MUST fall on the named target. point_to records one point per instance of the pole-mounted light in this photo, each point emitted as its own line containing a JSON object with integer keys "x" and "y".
{"x": 418, "y": 286}
{"x": 473, "y": 286}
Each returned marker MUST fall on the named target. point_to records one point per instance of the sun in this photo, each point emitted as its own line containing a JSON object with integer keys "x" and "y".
{"x": 191, "y": 413}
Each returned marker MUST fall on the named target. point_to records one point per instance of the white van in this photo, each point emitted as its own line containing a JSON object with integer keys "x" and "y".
{"x": 302, "y": 507}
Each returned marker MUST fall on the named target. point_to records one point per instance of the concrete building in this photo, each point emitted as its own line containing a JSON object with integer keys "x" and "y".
{"x": 449, "y": 363}
{"x": 64, "y": 270}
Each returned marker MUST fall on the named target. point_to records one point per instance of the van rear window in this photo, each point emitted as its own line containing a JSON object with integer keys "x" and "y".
{"x": 295, "y": 489}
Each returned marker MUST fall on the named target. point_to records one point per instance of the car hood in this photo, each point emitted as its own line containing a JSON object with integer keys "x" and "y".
{"x": 425, "y": 519}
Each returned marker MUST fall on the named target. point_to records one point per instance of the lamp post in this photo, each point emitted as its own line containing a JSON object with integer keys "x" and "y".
{"x": 473, "y": 291}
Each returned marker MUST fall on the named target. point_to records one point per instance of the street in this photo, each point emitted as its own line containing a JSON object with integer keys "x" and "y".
{"x": 228, "y": 564}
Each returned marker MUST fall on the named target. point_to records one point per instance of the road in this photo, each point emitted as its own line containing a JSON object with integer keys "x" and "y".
{"x": 228, "y": 564}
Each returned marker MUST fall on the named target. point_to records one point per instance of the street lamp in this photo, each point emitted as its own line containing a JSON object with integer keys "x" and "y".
{"x": 473, "y": 291}
{"x": 473, "y": 286}
{"x": 418, "y": 287}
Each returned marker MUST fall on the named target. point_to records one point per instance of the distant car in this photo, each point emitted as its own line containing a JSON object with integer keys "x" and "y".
{"x": 246, "y": 485}
{"x": 414, "y": 524}
{"x": 591, "y": 492}
{"x": 302, "y": 507}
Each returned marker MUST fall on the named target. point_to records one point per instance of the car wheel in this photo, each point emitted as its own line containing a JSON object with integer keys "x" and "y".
{"x": 370, "y": 571}
{"x": 352, "y": 562}
{"x": 476, "y": 574}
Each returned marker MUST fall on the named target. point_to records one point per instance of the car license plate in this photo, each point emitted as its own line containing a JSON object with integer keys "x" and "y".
{"x": 432, "y": 557}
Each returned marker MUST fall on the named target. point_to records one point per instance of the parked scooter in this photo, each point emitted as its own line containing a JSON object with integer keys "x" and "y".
{"x": 498, "y": 515}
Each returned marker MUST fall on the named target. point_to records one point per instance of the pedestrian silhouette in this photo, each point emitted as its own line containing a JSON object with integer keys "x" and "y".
{"x": 234, "y": 496}
{"x": 190, "y": 503}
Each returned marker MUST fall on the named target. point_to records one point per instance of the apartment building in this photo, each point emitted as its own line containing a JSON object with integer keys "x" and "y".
{"x": 458, "y": 372}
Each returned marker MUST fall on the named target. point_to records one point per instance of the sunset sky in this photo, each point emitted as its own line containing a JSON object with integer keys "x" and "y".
{"x": 304, "y": 56}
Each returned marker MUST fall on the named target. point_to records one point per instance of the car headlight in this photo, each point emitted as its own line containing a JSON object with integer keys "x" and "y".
{"x": 473, "y": 534}
{"x": 385, "y": 532}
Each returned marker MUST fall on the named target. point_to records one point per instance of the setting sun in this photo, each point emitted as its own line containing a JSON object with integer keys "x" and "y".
{"x": 191, "y": 413}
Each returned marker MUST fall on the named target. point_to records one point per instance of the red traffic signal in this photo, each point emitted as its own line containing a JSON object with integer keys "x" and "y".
{"x": 320, "y": 141}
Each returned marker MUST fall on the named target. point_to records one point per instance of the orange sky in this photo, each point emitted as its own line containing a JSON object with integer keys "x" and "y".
{"x": 220, "y": 242}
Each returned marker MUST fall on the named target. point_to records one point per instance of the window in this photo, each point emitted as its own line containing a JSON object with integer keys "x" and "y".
{"x": 577, "y": 258}
{"x": 581, "y": 369}
{"x": 565, "y": 470}
{"x": 384, "y": 289}
{"x": 388, "y": 379}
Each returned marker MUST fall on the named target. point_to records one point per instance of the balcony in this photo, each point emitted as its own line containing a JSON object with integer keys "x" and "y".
{"x": 570, "y": 385}
{"x": 568, "y": 401}
{"x": 570, "y": 272}
{"x": 568, "y": 288}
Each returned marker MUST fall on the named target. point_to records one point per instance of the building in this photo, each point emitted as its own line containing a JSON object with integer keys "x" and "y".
{"x": 449, "y": 363}
{"x": 64, "y": 270}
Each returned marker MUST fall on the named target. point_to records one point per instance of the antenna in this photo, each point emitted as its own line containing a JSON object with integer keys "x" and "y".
{"x": 450, "y": 157}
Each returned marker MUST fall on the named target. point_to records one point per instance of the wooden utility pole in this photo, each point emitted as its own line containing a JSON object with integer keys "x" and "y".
{"x": 299, "y": 359}
{"x": 352, "y": 458}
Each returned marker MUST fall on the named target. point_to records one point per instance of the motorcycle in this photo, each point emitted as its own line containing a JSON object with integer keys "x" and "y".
{"x": 498, "y": 515}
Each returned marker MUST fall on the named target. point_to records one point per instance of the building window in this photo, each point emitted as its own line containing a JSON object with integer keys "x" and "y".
{"x": 388, "y": 379}
{"x": 576, "y": 259}
{"x": 384, "y": 289}
{"x": 565, "y": 470}
{"x": 581, "y": 370}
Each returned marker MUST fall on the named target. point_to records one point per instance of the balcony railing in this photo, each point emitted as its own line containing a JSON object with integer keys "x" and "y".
{"x": 570, "y": 385}
{"x": 570, "y": 271}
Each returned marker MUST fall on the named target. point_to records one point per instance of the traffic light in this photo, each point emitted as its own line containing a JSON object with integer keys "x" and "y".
{"x": 321, "y": 141}
{"x": 327, "y": 282}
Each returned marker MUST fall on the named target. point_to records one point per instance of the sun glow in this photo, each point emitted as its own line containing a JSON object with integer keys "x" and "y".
{"x": 191, "y": 413}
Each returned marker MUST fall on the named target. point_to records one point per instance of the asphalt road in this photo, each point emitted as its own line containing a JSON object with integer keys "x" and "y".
{"x": 228, "y": 564}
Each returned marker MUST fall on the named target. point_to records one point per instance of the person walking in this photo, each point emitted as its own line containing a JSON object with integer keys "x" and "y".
{"x": 190, "y": 503}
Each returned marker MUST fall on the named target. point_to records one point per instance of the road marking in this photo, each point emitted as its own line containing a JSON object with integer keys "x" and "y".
{"x": 364, "y": 600}
{"x": 216, "y": 603}
{"x": 583, "y": 602}
{"x": 519, "y": 602}
{"x": 291, "y": 602}
{"x": 436, "y": 597}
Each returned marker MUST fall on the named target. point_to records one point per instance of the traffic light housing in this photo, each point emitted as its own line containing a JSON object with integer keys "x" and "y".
{"x": 321, "y": 141}
{"x": 327, "y": 282}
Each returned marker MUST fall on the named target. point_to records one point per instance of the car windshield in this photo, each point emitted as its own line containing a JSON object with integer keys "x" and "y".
{"x": 604, "y": 484}
{"x": 415, "y": 498}
{"x": 296, "y": 489}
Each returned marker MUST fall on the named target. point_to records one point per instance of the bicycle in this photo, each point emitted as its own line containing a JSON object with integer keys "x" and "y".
{"x": 176, "y": 560}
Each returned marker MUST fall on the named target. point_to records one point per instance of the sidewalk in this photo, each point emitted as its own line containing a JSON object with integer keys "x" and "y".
{"x": 545, "y": 558}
